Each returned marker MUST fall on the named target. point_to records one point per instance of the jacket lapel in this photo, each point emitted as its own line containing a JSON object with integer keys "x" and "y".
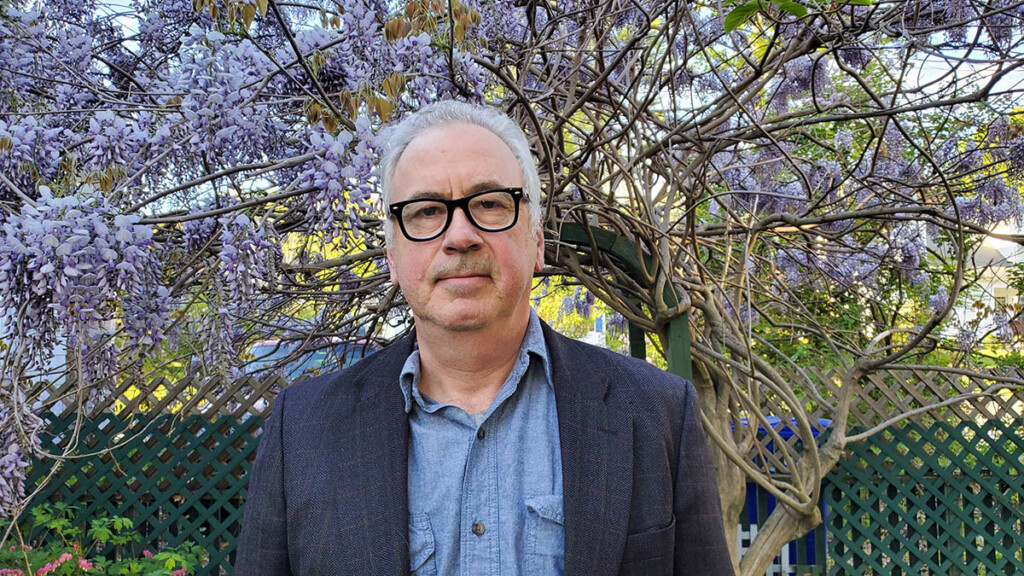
{"x": 383, "y": 440}
{"x": 597, "y": 462}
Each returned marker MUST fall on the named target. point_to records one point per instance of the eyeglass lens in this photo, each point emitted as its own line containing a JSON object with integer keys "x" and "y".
{"x": 490, "y": 211}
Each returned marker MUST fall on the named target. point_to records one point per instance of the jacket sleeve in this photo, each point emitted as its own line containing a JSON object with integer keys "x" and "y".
{"x": 700, "y": 546}
{"x": 263, "y": 544}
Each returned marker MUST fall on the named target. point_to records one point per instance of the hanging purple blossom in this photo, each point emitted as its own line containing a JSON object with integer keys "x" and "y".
{"x": 1015, "y": 157}
{"x": 857, "y": 57}
{"x": 1004, "y": 332}
{"x": 967, "y": 339}
{"x": 248, "y": 258}
{"x": 747, "y": 315}
{"x": 19, "y": 439}
{"x": 937, "y": 302}
{"x": 617, "y": 322}
{"x": 71, "y": 263}
{"x": 29, "y": 151}
{"x": 956, "y": 12}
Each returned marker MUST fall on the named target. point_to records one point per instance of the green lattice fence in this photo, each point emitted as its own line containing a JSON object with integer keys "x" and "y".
{"x": 939, "y": 499}
{"x": 172, "y": 457}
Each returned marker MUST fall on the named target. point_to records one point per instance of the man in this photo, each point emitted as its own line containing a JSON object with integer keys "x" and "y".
{"x": 485, "y": 443}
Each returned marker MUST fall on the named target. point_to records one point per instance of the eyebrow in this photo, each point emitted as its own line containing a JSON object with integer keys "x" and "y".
{"x": 478, "y": 187}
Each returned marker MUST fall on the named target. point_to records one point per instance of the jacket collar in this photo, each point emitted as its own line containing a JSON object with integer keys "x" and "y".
{"x": 597, "y": 459}
{"x": 383, "y": 436}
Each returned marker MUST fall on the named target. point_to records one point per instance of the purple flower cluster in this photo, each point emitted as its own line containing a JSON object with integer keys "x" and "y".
{"x": 747, "y": 315}
{"x": 71, "y": 262}
{"x": 218, "y": 78}
{"x": 957, "y": 11}
{"x": 340, "y": 175}
{"x": 22, "y": 34}
{"x": 836, "y": 269}
{"x": 857, "y": 57}
{"x": 218, "y": 333}
{"x": 992, "y": 202}
{"x": 581, "y": 302}
{"x": 19, "y": 439}
{"x": 617, "y": 322}
{"x": 248, "y": 257}
{"x": 111, "y": 141}
{"x": 1004, "y": 332}
{"x": 999, "y": 22}
{"x": 938, "y": 301}
{"x": 29, "y": 151}
{"x": 198, "y": 233}
{"x": 1015, "y": 158}
{"x": 967, "y": 339}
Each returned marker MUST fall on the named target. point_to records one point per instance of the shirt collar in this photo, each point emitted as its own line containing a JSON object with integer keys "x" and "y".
{"x": 533, "y": 346}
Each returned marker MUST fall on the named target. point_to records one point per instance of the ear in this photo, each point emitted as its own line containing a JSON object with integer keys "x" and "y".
{"x": 539, "y": 264}
{"x": 391, "y": 267}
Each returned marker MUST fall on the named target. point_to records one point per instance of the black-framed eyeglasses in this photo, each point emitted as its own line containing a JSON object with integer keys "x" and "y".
{"x": 427, "y": 218}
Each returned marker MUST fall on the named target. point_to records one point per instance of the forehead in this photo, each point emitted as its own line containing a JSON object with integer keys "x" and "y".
{"x": 453, "y": 161}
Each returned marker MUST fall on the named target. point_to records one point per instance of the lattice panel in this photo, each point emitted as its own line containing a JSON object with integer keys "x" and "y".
{"x": 177, "y": 478}
{"x": 890, "y": 393}
{"x": 211, "y": 396}
{"x": 942, "y": 500}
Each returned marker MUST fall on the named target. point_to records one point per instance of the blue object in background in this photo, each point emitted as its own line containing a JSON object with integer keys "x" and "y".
{"x": 803, "y": 553}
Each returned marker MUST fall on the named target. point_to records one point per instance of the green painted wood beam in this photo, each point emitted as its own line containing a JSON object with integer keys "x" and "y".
{"x": 626, "y": 254}
{"x": 637, "y": 342}
{"x": 679, "y": 361}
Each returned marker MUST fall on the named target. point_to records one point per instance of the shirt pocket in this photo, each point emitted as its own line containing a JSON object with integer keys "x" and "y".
{"x": 545, "y": 535}
{"x": 421, "y": 546}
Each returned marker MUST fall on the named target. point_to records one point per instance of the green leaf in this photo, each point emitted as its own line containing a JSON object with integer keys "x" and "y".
{"x": 740, "y": 14}
{"x": 100, "y": 534}
{"x": 793, "y": 8}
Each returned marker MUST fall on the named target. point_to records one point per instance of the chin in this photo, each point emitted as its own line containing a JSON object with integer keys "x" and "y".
{"x": 463, "y": 319}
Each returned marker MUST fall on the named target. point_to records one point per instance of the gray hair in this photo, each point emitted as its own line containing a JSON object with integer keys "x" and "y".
{"x": 447, "y": 113}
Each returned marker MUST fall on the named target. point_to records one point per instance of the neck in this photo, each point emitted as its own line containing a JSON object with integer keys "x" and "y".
{"x": 466, "y": 369}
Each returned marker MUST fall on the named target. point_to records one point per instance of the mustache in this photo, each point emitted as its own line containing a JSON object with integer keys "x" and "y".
{"x": 460, "y": 268}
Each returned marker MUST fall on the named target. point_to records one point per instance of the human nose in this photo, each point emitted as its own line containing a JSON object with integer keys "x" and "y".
{"x": 461, "y": 235}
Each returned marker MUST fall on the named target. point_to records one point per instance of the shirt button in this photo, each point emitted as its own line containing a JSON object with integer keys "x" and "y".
{"x": 480, "y": 433}
{"x": 478, "y": 528}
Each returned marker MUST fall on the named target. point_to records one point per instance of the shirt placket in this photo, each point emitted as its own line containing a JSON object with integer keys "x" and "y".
{"x": 479, "y": 530}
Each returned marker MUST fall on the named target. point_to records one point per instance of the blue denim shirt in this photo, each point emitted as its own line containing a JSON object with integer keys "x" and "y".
{"x": 485, "y": 490}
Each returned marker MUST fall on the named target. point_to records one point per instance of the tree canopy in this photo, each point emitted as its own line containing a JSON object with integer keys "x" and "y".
{"x": 804, "y": 178}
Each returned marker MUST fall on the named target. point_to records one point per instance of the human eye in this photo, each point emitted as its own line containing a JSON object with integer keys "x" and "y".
{"x": 493, "y": 201}
{"x": 424, "y": 211}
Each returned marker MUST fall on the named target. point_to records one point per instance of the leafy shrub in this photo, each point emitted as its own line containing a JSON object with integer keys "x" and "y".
{"x": 65, "y": 547}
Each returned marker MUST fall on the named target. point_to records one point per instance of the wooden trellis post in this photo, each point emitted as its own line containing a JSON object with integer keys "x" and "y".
{"x": 627, "y": 254}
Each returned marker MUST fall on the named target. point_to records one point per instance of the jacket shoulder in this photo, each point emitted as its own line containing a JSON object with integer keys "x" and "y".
{"x": 628, "y": 379}
{"x": 365, "y": 378}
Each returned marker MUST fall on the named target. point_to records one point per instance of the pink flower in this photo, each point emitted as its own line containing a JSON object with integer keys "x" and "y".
{"x": 84, "y": 564}
{"x": 180, "y": 572}
{"x": 147, "y": 553}
{"x": 51, "y": 566}
{"x": 11, "y": 571}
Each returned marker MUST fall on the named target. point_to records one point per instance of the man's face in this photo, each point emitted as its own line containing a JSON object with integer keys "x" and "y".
{"x": 466, "y": 279}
